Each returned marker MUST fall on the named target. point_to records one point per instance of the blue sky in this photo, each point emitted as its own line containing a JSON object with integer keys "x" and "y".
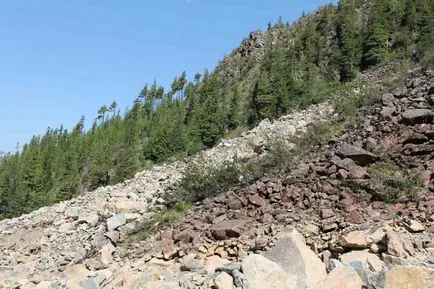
{"x": 60, "y": 60}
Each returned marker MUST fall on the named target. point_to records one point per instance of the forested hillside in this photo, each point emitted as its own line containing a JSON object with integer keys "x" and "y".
{"x": 272, "y": 72}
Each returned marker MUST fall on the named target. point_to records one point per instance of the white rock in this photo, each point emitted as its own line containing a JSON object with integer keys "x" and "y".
{"x": 261, "y": 273}
{"x": 73, "y": 212}
{"x": 224, "y": 281}
{"x": 116, "y": 221}
{"x": 106, "y": 254}
{"x": 414, "y": 226}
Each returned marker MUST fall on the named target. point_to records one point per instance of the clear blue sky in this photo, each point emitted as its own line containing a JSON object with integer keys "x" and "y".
{"x": 60, "y": 60}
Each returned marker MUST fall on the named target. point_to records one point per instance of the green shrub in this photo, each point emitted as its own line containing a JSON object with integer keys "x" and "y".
{"x": 200, "y": 181}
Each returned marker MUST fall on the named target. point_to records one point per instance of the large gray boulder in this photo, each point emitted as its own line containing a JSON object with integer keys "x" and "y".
{"x": 261, "y": 273}
{"x": 414, "y": 116}
{"x": 292, "y": 254}
{"x": 358, "y": 155}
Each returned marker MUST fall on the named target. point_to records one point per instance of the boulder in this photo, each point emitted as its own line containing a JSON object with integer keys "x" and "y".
{"x": 113, "y": 236}
{"x": 387, "y": 111}
{"x": 414, "y": 226}
{"x": 79, "y": 255}
{"x": 92, "y": 219}
{"x": 130, "y": 217}
{"x": 327, "y": 213}
{"x": 399, "y": 245}
{"x": 376, "y": 236}
{"x": 190, "y": 263}
{"x": 354, "y": 240}
{"x": 354, "y": 217}
{"x": 214, "y": 262}
{"x": 73, "y": 212}
{"x": 261, "y": 273}
{"x": 169, "y": 248}
{"x": 256, "y": 200}
{"x": 106, "y": 254}
{"x": 227, "y": 229}
{"x": 76, "y": 273}
{"x": 66, "y": 227}
{"x": 343, "y": 277}
{"x": 99, "y": 241}
{"x": 405, "y": 277}
{"x": 116, "y": 221}
{"x": 415, "y": 116}
{"x": 358, "y": 155}
{"x": 292, "y": 254}
{"x": 368, "y": 260}
{"x": 388, "y": 99}
{"x": 356, "y": 172}
{"x": 129, "y": 206}
{"x": 223, "y": 281}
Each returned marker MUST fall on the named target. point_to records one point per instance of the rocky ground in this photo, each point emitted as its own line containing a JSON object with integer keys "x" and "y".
{"x": 357, "y": 213}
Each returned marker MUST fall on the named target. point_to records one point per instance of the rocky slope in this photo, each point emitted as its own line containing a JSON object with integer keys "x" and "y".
{"x": 39, "y": 246}
{"x": 358, "y": 212}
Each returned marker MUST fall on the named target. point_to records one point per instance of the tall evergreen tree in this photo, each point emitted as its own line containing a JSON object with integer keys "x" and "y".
{"x": 348, "y": 40}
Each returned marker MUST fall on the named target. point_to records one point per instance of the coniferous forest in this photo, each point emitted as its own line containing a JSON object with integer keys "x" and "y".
{"x": 297, "y": 63}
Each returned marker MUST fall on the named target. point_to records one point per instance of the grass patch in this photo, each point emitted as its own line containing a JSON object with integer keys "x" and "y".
{"x": 159, "y": 221}
{"x": 318, "y": 134}
{"x": 391, "y": 184}
{"x": 349, "y": 98}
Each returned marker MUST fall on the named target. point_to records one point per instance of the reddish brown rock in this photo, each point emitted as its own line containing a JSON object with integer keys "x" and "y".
{"x": 378, "y": 205}
{"x": 185, "y": 236}
{"x": 256, "y": 200}
{"x": 342, "y": 174}
{"x": 267, "y": 218}
{"x": 169, "y": 249}
{"x": 227, "y": 229}
{"x": 327, "y": 213}
{"x": 354, "y": 217}
{"x": 235, "y": 204}
{"x": 357, "y": 172}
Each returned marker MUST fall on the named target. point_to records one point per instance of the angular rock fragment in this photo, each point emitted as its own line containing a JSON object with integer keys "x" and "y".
{"x": 341, "y": 277}
{"x": 261, "y": 273}
{"x": 292, "y": 254}
{"x": 227, "y": 229}
{"x": 116, "y": 221}
{"x": 358, "y": 155}
{"x": 415, "y": 116}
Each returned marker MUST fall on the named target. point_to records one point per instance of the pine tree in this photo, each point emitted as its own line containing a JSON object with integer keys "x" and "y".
{"x": 348, "y": 41}
{"x": 209, "y": 117}
{"x": 232, "y": 115}
{"x": 374, "y": 44}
